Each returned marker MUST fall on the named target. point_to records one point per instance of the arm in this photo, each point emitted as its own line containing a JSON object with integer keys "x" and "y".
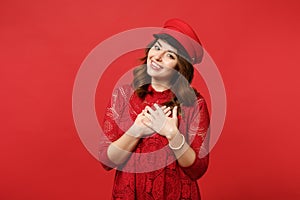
{"x": 198, "y": 139}
{"x": 186, "y": 152}
{"x": 116, "y": 146}
{"x": 167, "y": 126}
{"x": 119, "y": 151}
{"x": 116, "y": 121}
{"x": 188, "y": 156}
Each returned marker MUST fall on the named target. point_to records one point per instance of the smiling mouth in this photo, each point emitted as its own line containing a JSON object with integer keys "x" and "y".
{"x": 155, "y": 66}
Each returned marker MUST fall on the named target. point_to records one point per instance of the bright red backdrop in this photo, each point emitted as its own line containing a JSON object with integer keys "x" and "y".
{"x": 254, "y": 43}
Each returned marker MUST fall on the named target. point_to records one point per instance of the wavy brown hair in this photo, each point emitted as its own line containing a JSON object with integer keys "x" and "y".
{"x": 180, "y": 82}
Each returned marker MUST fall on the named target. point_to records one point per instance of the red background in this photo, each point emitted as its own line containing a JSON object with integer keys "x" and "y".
{"x": 254, "y": 43}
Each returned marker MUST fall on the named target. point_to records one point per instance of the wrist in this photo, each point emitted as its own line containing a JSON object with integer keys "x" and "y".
{"x": 177, "y": 142}
{"x": 134, "y": 131}
{"x": 171, "y": 135}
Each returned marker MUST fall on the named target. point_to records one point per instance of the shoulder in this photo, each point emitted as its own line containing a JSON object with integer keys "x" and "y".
{"x": 198, "y": 105}
{"x": 124, "y": 91}
{"x": 199, "y": 98}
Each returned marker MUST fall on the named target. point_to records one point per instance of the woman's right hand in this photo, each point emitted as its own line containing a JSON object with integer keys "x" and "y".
{"x": 139, "y": 129}
{"x": 120, "y": 150}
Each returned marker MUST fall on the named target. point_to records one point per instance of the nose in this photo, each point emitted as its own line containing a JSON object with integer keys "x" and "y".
{"x": 159, "y": 55}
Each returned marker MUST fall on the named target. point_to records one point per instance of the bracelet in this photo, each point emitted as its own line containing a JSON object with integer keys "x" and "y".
{"x": 180, "y": 146}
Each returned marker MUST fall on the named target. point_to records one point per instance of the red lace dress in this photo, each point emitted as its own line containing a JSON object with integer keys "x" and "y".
{"x": 152, "y": 172}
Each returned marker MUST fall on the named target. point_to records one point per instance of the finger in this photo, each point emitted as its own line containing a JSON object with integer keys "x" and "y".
{"x": 166, "y": 110}
{"x": 149, "y": 110}
{"x": 168, "y": 113}
{"x": 141, "y": 112}
{"x": 160, "y": 111}
{"x": 175, "y": 112}
{"x": 148, "y": 116}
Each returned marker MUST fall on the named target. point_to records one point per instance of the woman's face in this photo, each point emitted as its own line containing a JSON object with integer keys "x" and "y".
{"x": 161, "y": 61}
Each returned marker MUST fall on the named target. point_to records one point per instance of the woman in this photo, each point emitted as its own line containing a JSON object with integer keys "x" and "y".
{"x": 157, "y": 125}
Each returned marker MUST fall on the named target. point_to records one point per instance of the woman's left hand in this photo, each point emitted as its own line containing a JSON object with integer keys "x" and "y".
{"x": 160, "y": 121}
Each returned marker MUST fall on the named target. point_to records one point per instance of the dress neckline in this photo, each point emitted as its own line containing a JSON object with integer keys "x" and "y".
{"x": 151, "y": 89}
{"x": 166, "y": 94}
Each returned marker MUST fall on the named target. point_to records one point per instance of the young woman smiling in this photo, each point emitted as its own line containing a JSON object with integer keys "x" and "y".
{"x": 157, "y": 126}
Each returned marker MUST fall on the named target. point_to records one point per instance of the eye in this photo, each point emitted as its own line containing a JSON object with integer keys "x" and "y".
{"x": 156, "y": 47}
{"x": 170, "y": 55}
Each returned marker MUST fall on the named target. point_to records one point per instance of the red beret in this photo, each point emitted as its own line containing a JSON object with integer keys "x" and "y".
{"x": 186, "y": 36}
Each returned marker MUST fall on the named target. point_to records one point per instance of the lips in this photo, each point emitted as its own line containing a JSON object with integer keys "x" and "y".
{"x": 155, "y": 66}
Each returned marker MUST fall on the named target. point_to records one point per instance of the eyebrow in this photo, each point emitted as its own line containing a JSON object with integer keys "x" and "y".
{"x": 162, "y": 46}
{"x": 159, "y": 43}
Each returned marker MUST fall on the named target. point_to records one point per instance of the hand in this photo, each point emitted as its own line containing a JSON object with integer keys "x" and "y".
{"x": 160, "y": 121}
{"x": 139, "y": 129}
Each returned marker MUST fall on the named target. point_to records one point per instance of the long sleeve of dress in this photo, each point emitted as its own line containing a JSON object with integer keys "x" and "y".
{"x": 115, "y": 124}
{"x": 198, "y": 139}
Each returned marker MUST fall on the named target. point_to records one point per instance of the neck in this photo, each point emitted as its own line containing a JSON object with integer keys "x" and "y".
{"x": 159, "y": 86}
